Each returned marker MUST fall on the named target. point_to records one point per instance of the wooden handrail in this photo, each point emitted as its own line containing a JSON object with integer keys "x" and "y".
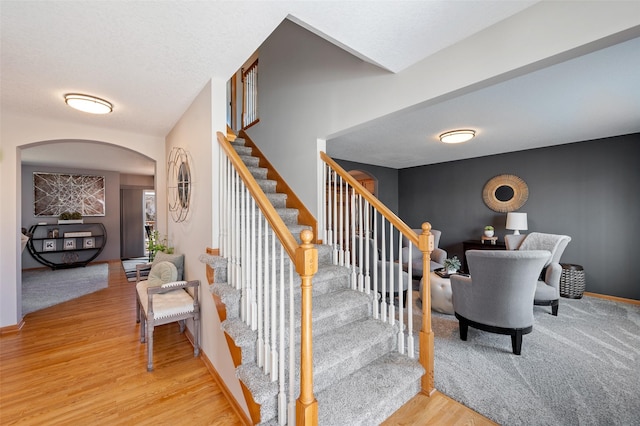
{"x": 304, "y": 215}
{"x": 277, "y": 224}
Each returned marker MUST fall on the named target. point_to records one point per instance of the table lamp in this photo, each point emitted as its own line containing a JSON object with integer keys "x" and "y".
{"x": 516, "y": 222}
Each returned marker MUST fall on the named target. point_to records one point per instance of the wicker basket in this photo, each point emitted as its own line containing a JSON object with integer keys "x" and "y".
{"x": 572, "y": 281}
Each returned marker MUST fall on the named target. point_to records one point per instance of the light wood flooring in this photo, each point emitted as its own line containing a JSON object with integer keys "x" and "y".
{"x": 81, "y": 362}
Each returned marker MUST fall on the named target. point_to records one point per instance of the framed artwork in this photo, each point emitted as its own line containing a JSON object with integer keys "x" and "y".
{"x": 69, "y": 243}
{"x": 49, "y": 245}
{"x": 89, "y": 242}
{"x": 56, "y": 193}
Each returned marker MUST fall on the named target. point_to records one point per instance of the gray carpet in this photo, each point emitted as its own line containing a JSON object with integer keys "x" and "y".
{"x": 580, "y": 368}
{"x": 42, "y": 288}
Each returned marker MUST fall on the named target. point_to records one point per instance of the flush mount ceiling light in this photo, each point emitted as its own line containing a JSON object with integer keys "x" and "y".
{"x": 457, "y": 136}
{"x": 87, "y": 103}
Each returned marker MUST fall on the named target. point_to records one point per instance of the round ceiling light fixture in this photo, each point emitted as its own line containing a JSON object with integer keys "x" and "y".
{"x": 87, "y": 103}
{"x": 457, "y": 136}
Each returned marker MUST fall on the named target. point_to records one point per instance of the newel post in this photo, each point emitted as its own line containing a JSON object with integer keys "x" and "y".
{"x": 306, "y": 265}
{"x": 425, "y": 244}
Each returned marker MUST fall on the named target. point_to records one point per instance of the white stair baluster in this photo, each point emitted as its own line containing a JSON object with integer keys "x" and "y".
{"x": 400, "y": 297}
{"x": 383, "y": 272}
{"x": 392, "y": 307}
{"x": 260, "y": 296}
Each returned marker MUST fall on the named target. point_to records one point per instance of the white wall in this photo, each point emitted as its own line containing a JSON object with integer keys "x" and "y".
{"x": 310, "y": 89}
{"x": 20, "y": 131}
{"x": 196, "y": 133}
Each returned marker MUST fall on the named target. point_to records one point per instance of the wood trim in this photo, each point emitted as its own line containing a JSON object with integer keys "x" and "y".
{"x": 10, "y": 329}
{"x": 304, "y": 215}
{"x": 225, "y": 390}
{"x": 613, "y": 298}
{"x": 274, "y": 219}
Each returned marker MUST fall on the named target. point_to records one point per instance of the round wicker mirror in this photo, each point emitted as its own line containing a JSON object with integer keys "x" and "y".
{"x": 505, "y": 193}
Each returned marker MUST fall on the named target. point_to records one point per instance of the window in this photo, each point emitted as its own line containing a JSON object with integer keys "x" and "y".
{"x": 250, "y": 96}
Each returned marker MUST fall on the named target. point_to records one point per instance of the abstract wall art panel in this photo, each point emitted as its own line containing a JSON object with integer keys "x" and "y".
{"x": 56, "y": 193}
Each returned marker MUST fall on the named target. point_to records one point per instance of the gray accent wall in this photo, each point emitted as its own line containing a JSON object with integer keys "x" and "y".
{"x": 587, "y": 190}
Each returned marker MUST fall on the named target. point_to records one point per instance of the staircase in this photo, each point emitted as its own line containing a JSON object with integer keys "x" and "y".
{"x": 359, "y": 376}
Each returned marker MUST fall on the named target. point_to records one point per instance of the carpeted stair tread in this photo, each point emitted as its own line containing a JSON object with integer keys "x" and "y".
{"x": 229, "y": 296}
{"x": 277, "y": 199}
{"x": 348, "y": 348}
{"x": 250, "y": 161}
{"x": 371, "y": 394}
{"x": 258, "y": 172}
{"x": 267, "y": 185}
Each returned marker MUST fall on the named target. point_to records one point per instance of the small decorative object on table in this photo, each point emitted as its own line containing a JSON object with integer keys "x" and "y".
{"x": 452, "y": 265}
{"x": 67, "y": 217}
{"x": 488, "y": 231}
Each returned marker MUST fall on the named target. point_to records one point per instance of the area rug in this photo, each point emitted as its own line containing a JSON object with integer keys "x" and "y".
{"x": 129, "y": 266}
{"x": 579, "y": 368}
{"x": 42, "y": 288}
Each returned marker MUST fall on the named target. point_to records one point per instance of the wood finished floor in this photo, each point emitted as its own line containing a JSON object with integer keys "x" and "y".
{"x": 81, "y": 363}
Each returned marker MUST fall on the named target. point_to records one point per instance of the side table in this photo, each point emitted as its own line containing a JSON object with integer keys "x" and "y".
{"x": 478, "y": 245}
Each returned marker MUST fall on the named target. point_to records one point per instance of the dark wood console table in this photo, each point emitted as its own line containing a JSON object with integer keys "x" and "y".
{"x": 478, "y": 245}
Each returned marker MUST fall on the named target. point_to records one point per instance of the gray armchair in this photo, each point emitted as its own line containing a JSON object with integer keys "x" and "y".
{"x": 498, "y": 296}
{"x": 548, "y": 288}
{"x": 438, "y": 255}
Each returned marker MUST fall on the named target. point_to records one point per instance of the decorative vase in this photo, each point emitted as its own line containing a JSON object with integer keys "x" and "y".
{"x": 488, "y": 233}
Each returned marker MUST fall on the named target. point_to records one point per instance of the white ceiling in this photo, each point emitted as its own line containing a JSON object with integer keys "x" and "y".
{"x": 151, "y": 58}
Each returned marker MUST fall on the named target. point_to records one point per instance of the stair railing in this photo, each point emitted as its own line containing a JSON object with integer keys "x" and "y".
{"x": 356, "y": 222}
{"x": 256, "y": 243}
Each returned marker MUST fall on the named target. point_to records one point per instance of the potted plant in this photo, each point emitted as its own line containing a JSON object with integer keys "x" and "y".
{"x": 70, "y": 217}
{"x": 488, "y": 231}
{"x": 156, "y": 244}
{"x": 452, "y": 265}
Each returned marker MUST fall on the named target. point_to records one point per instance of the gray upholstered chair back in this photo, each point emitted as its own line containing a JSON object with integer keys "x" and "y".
{"x": 501, "y": 288}
{"x": 539, "y": 241}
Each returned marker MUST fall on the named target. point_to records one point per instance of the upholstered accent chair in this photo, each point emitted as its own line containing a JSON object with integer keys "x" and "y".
{"x": 162, "y": 299}
{"x": 498, "y": 295}
{"x": 548, "y": 286}
{"x": 438, "y": 255}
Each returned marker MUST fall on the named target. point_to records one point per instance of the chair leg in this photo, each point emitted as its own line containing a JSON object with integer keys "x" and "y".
{"x": 516, "y": 342}
{"x": 554, "y": 308}
{"x": 182, "y": 324}
{"x": 464, "y": 329}
{"x": 143, "y": 325}
{"x": 149, "y": 346}
{"x": 196, "y": 337}
{"x": 137, "y": 310}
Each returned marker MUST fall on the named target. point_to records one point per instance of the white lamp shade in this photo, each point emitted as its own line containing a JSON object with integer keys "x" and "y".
{"x": 516, "y": 222}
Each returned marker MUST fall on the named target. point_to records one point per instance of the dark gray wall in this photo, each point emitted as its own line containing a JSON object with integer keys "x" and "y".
{"x": 111, "y": 220}
{"x": 587, "y": 190}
